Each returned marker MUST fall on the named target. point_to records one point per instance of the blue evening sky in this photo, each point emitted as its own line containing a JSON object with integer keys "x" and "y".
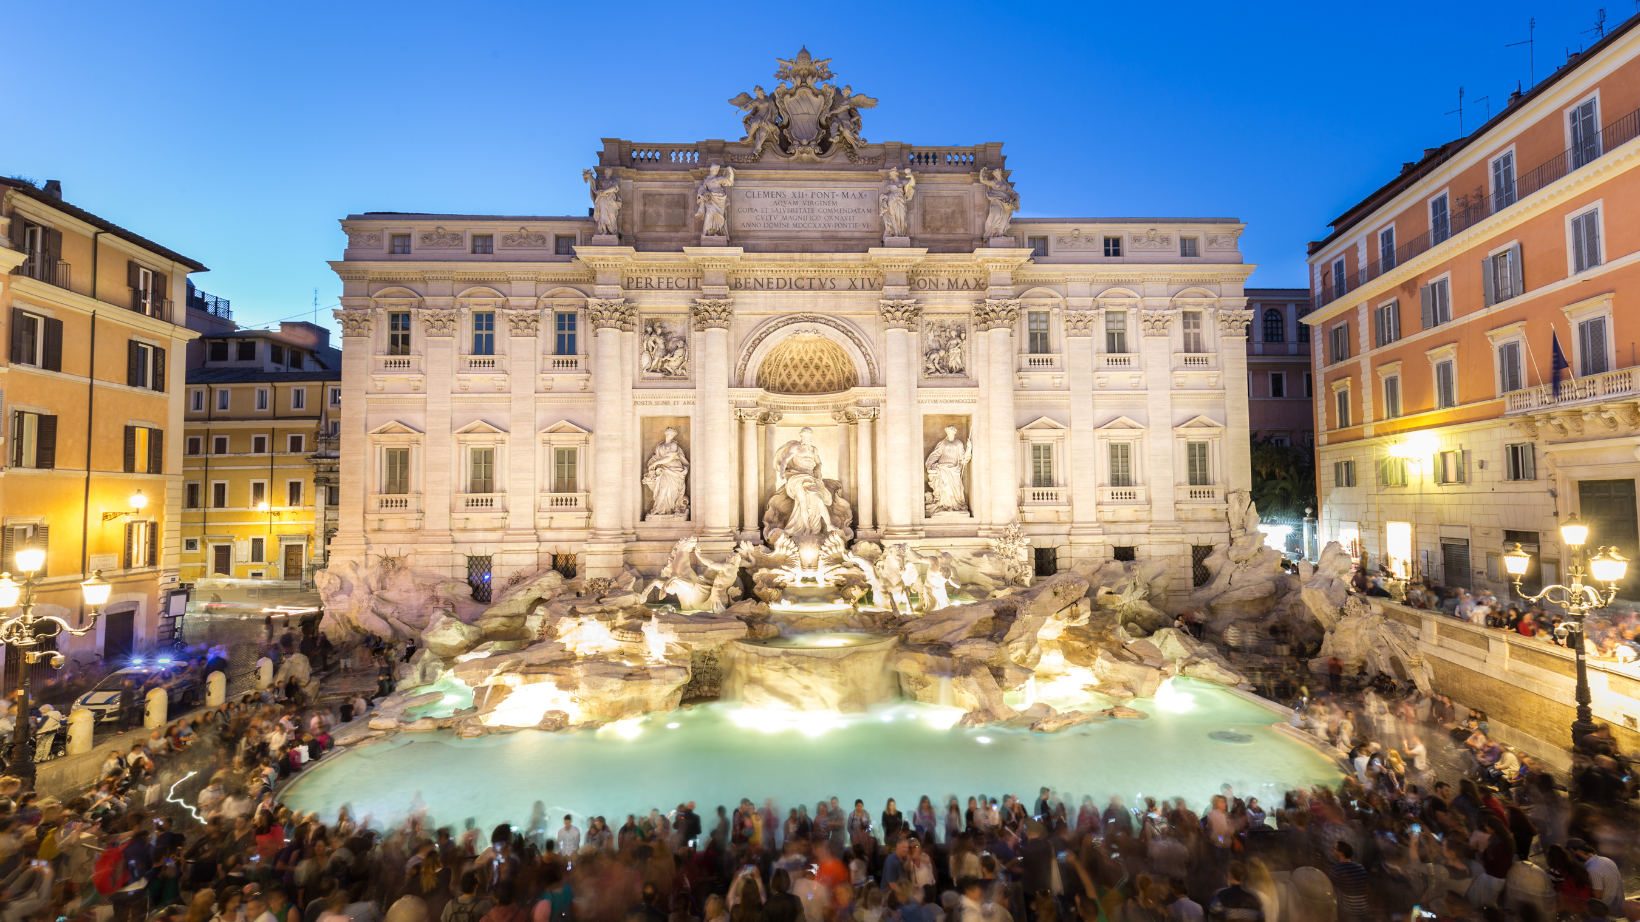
{"x": 238, "y": 133}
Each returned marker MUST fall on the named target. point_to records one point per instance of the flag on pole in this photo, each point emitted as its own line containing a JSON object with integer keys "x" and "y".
{"x": 1557, "y": 361}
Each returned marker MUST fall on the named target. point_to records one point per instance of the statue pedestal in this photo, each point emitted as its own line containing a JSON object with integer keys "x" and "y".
{"x": 605, "y": 240}
{"x": 1002, "y": 243}
{"x": 714, "y": 241}
{"x": 896, "y": 241}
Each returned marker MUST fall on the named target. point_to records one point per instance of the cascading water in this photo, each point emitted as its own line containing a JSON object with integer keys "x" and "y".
{"x": 842, "y": 672}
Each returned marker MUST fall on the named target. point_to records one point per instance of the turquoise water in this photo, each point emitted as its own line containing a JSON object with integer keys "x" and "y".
{"x": 718, "y": 753}
{"x": 457, "y": 696}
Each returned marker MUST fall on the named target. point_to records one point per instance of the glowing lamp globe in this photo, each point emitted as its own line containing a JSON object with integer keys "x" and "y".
{"x": 1608, "y": 566}
{"x": 96, "y": 589}
{"x": 1574, "y": 532}
{"x": 138, "y": 500}
{"x": 31, "y": 559}
{"x": 10, "y": 591}
{"x": 1515, "y": 560}
{"x": 262, "y": 507}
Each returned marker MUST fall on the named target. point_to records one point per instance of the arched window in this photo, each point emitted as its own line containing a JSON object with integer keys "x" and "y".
{"x": 1275, "y": 326}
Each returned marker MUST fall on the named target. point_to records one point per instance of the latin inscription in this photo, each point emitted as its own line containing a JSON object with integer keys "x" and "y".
{"x": 805, "y": 283}
{"x": 948, "y": 284}
{"x": 788, "y": 210}
{"x": 660, "y": 282}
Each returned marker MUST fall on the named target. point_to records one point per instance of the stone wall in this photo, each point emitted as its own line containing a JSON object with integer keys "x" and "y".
{"x": 1526, "y": 685}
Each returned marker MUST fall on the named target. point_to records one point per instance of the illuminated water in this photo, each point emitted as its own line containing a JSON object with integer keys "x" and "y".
{"x": 718, "y": 753}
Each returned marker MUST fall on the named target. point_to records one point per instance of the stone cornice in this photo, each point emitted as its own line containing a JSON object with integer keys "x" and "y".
{"x": 1002, "y": 259}
{"x": 604, "y": 257}
{"x": 897, "y": 259}
{"x": 714, "y": 257}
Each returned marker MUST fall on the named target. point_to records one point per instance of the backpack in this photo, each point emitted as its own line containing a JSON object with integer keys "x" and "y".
{"x": 462, "y": 911}
{"x": 111, "y": 873}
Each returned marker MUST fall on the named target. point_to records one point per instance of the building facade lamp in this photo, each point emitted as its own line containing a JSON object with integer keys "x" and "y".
{"x": 137, "y": 501}
{"x": 1516, "y": 561}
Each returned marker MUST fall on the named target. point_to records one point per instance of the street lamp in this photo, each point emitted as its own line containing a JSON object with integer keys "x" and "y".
{"x": 1605, "y": 565}
{"x": 24, "y": 631}
{"x": 137, "y": 501}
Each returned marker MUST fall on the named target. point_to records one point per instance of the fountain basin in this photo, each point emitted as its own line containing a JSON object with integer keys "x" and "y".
{"x": 830, "y": 671}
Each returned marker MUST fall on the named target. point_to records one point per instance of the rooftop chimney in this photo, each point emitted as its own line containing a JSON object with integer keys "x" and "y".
{"x": 54, "y": 188}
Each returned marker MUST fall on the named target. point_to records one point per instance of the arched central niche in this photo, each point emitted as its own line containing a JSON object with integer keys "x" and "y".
{"x": 807, "y": 363}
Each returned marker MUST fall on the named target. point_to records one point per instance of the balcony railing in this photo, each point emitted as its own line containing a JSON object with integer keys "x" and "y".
{"x": 563, "y": 364}
{"x": 1041, "y": 361}
{"x": 1118, "y": 360}
{"x": 1465, "y": 214}
{"x": 1195, "y": 360}
{"x": 1121, "y": 495}
{"x": 398, "y": 364}
{"x": 563, "y": 502}
{"x": 46, "y": 269}
{"x": 151, "y": 304}
{"x": 481, "y": 502}
{"x": 210, "y": 304}
{"x": 483, "y": 363}
{"x": 1199, "y": 494}
{"x": 1623, "y": 382}
{"x": 396, "y": 502}
{"x": 1044, "y": 496}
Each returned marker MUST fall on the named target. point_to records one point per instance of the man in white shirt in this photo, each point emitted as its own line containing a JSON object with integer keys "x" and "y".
{"x": 814, "y": 897}
{"x": 569, "y": 838}
{"x": 1605, "y": 883}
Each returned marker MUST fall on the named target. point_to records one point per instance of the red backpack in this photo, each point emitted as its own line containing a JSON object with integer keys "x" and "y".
{"x": 111, "y": 873}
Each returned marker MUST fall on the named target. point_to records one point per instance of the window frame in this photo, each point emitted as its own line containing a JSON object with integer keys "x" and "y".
{"x": 482, "y": 325}
{"x": 473, "y": 481}
{"x": 1113, "y": 242}
{"x": 221, "y": 441}
{"x": 1509, "y": 257}
{"x": 1343, "y": 413}
{"x": 1441, "y": 284}
{"x": 224, "y": 399}
{"x": 260, "y": 443}
{"x": 264, "y": 399}
{"x": 1592, "y": 100}
{"x": 1338, "y": 342}
{"x": 1118, "y": 316}
{"x": 400, "y": 340}
{"x": 1032, "y": 243}
{"x": 1598, "y": 307}
{"x": 1128, "y": 475}
{"x": 193, "y": 494}
{"x": 1039, "y": 340}
{"x": 295, "y": 443}
{"x": 1386, "y": 256}
{"x": 258, "y": 495}
{"x": 1499, "y": 194}
{"x": 1189, "y": 246}
{"x": 196, "y": 400}
{"x": 1388, "y": 372}
{"x": 219, "y": 488}
{"x": 1278, "y": 382}
{"x": 1574, "y": 253}
{"x": 1440, "y": 222}
{"x": 385, "y": 475}
{"x": 193, "y": 445}
{"x": 1193, "y": 339}
{"x": 482, "y": 244}
{"x": 1279, "y": 317}
{"x": 1383, "y": 334}
{"x": 297, "y": 486}
{"x": 1043, "y": 469}
{"x": 394, "y": 242}
{"x": 1514, "y": 453}
{"x": 1206, "y": 452}
{"x": 571, "y": 336}
{"x": 335, "y": 396}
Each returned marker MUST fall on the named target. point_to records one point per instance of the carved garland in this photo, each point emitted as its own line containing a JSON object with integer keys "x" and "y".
{"x": 713, "y": 313}
{"x": 439, "y": 323}
{"x": 360, "y": 239}
{"x": 439, "y": 237}
{"x": 783, "y": 322}
{"x": 354, "y": 322}
{"x": 524, "y": 238}
{"x": 611, "y": 313}
{"x": 899, "y": 315}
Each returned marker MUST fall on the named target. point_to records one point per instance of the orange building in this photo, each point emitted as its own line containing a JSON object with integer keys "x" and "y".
{"x": 1474, "y": 337}
{"x": 91, "y": 391}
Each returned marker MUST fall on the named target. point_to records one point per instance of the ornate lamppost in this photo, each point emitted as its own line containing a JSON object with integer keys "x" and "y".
{"x": 1605, "y": 565}
{"x": 25, "y": 632}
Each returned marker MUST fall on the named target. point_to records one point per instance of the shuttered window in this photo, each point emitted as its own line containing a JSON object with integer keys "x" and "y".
{"x": 1585, "y": 134}
{"x": 1196, "y": 464}
{"x": 1041, "y": 465}
{"x": 1341, "y": 408}
{"x": 1520, "y": 461}
{"x": 1392, "y": 472}
{"x": 1121, "y": 464}
{"x": 1446, "y": 385}
{"x": 144, "y": 450}
{"x": 1509, "y": 375}
{"x": 1344, "y": 473}
{"x": 1503, "y": 181}
{"x": 1440, "y": 224}
{"x": 1586, "y": 241}
{"x": 1435, "y": 303}
{"x": 1386, "y": 249}
{"x": 141, "y": 550}
{"x": 1451, "y": 467}
{"x": 1501, "y": 275}
{"x": 34, "y": 440}
{"x": 14, "y": 538}
{"x": 36, "y": 340}
{"x": 148, "y": 289}
{"x": 1338, "y": 341}
{"x": 1591, "y": 346}
{"x": 1392, "y": 396}
{"x": 144, "y": 366}
{"x": 1387, "y": 323}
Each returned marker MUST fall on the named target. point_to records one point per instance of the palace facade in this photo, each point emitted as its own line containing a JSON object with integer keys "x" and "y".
{"x": 522, "y": 392}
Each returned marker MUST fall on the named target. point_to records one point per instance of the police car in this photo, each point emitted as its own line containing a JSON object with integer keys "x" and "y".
{"x": 180, "y": 687}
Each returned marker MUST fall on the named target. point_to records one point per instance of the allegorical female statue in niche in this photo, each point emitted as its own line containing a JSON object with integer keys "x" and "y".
{"x": 665, "y": 476}
{"x": 805, "y": 504}
{"x": 946, "y": 464}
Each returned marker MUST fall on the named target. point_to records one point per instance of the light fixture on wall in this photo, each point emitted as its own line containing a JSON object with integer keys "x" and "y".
{"x": 138, "y": 503}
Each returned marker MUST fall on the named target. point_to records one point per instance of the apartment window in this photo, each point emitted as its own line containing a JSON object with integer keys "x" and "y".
{"x": 1435, "y": 303}
{"x": 566, "y": 470}
{"x": 395, "y": 470}
{"x": 1338, "y": 341}
{"x": 1446, "y": 385}
{"x": 1341, "y": 407}
{"x": 1338, "y": 277}
{"x": 481, "y": 470}
{"x": 144, "y": 450}
{"x": 483, "y": 243}
{"x": 261, "y": 398}
{"x": 1036, "y": 326}
{"x": 1278, "y": 384}
{"x": 563, "y": 244}
{"x": 335, "y": 396}
{"x": 295, "y": 359}
{"x": 293, "y": 492}
{"x": 1196, "y": 464}
{"x": 33, "y": 441}
{"x": 1038, "y": 245}
{"x": 1113, "y": 246}
{"x": 1309, "y": 385}
{"x": 259, "y": 493}
{"x": 28, "y": 339}
{"x": 1509, "y": 374}
{"x": 141, "y": 550}
{"x": 1392, "y": 396}
{"x": 398, "y": 333}
{"x": 298, "y": 398}
{"x": 219, "y": 495}
{"x": 222, "y": 397}
{"x": 1585, "y": 134}
{"x": 1121, "y": 464}
{"x": 1302, "y": 327}
{"x": 1275, "y": 326}
{"x": 147, "y": 289}
{"x": 1386, "y": 249}
{"x": 219, "y": 445}
{"x": 1440, "y": 220}
{"x": 1280, "y": 441}
{"x": 259, "y": 550}
{"x": 484, "y": 333}
{"x": 1503, "y": 181}
{"x": 1520, "y": 462}
{"x": 295, "y": 443}
{"x": 191, "y": 495}
{"x": 1187, "y": 246}
{"x": 219, "y": 350}
{"x": 1116, "y": 331}
{"x": 1500, "y": 275}
{"x": 1344, "y": 473}
{"x": 195, "y": 445}
{"x": 333, "y": 496}
{"x": 196, "y": 402}
{"x": 1591, "y": 346}
{"x": 1386, "y": 323}
{"x": 247, "y": 350}
{"x": 1586, "y": 240}
{"x": 144, "y": 366}
{"x": 399, "y": 244}
{"x": 1191, "y": 325}
{"x": 276, "y": 354}
{"x": 1449, "y": 467}
{"x": 564, "y": 324}
{"x": 1041, "y": 464}
{"x": 259, "y": 444}
{"x": 1392, "y": 472}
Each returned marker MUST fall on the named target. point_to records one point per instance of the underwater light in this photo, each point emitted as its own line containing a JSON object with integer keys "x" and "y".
{"x": 983, "y": 739}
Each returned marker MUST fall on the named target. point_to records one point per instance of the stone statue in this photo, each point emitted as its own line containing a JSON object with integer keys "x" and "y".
{"x": 655, "y": 638}
{"x": 945, "y": 349}
{"x": 810, "y": 500}
{"x": 945, "y": 467}
{"x": 805, "y": 118}
{"x": 759, "y": 119}
{"x": 665, "y": 477}
{"x": 941, "y": 579}
{"x": 665, "y": 351}
{"x": 895, "y": 203}
{"x": 891, "y": 576}
{"x": 725, "y": 575}
{"x": 843, "y": 116}
{"x": 606, "y": 202}
{"x": 678, "y": 577}
{"x": 712, "y": 201}
{"x": 1001, "y": 201}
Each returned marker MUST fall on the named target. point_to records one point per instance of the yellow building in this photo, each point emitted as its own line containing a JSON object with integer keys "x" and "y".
{"x": 91, "y": 392}
{"x": 259, "y": 454}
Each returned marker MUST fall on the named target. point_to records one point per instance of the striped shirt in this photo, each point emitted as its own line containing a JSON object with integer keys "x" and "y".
{"x": 1350, "y": 881}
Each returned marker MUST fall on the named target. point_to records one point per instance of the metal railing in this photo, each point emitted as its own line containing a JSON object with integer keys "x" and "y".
{"x": 46, "y": 269}
{"x": 210, "y": 304}
{"x": 1467, "y": 213}
{"x": 150, "y": 303}
{"x": 1620, "y": 383}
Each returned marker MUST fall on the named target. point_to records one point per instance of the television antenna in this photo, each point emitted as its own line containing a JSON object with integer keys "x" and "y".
{"x": 1599, "y": 25}
{"x": 1458, "y": 112}
{"x": 1531, "y": 48}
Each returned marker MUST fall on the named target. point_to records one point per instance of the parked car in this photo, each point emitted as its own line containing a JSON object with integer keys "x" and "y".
{"x": 182, "y": 687}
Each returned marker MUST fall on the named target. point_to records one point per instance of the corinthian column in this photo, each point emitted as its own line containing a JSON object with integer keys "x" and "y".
{"x": 609, "y": 316}
{"x": 900, "y": 415}
{"x": 997, "y": 317}
{"x": 865, "y": 468}
{"x": 715, "y": 449}
{"x": 749, "y": 519}
{"x": 1238, "y": 467}
{"x": 1082, "y": 465}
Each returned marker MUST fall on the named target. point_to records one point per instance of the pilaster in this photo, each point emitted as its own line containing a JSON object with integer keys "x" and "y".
{"x": 1238, "y": 460}
{"x": 608, "y": 318}
{"x": 523, "y": 482}
{"x": 715, "y": 454}
{"x": 865, "y": 466}
{"x": 997, "y": 317}
{"x": 1156, "y": 469}
{"x": 1081, "y": 326}
{"x": 442, "y": 474}
{"x": 902, "y": 482}
{"x": 356, "y": 462}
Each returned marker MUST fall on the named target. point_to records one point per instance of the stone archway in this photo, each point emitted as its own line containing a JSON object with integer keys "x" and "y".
{"x": 773, "y": 335}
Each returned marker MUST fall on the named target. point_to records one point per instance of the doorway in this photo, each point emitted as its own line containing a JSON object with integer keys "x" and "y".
{"x": 1608, "y": 508}
{"x": 222, "y": 559}
{"x": 293, "y": 562}
{"x": 1455, "y": 563}
{"x": 119, "y": 635}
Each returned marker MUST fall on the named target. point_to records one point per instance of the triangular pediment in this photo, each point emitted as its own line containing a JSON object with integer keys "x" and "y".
{"x": 1123, "y": 422}
{"x": 565, "y": 427}
{"x": 1199, "y": 424}
{"x": 395, "y": 428}
{"x": 1041, "y": 423}
{"x": 479, "y": 427}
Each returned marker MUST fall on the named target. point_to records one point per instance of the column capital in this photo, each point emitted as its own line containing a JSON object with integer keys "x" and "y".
{"x": 899, "y": 314}
{"x": 867, "y": 414}
{"x": 996, "y": 313}
{"x": 713, "y": 313}
{"x": 1081, "y": 323}
{"x": 611, "y": 313}
{"x": 1157, "y": 323}
{"x": 523, "y": 322}
{"x": 438, "y": 322}
{"x": 749, "y": 415}
{"x": 354, "y": 322}
{"x": 1233, "y": 323}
